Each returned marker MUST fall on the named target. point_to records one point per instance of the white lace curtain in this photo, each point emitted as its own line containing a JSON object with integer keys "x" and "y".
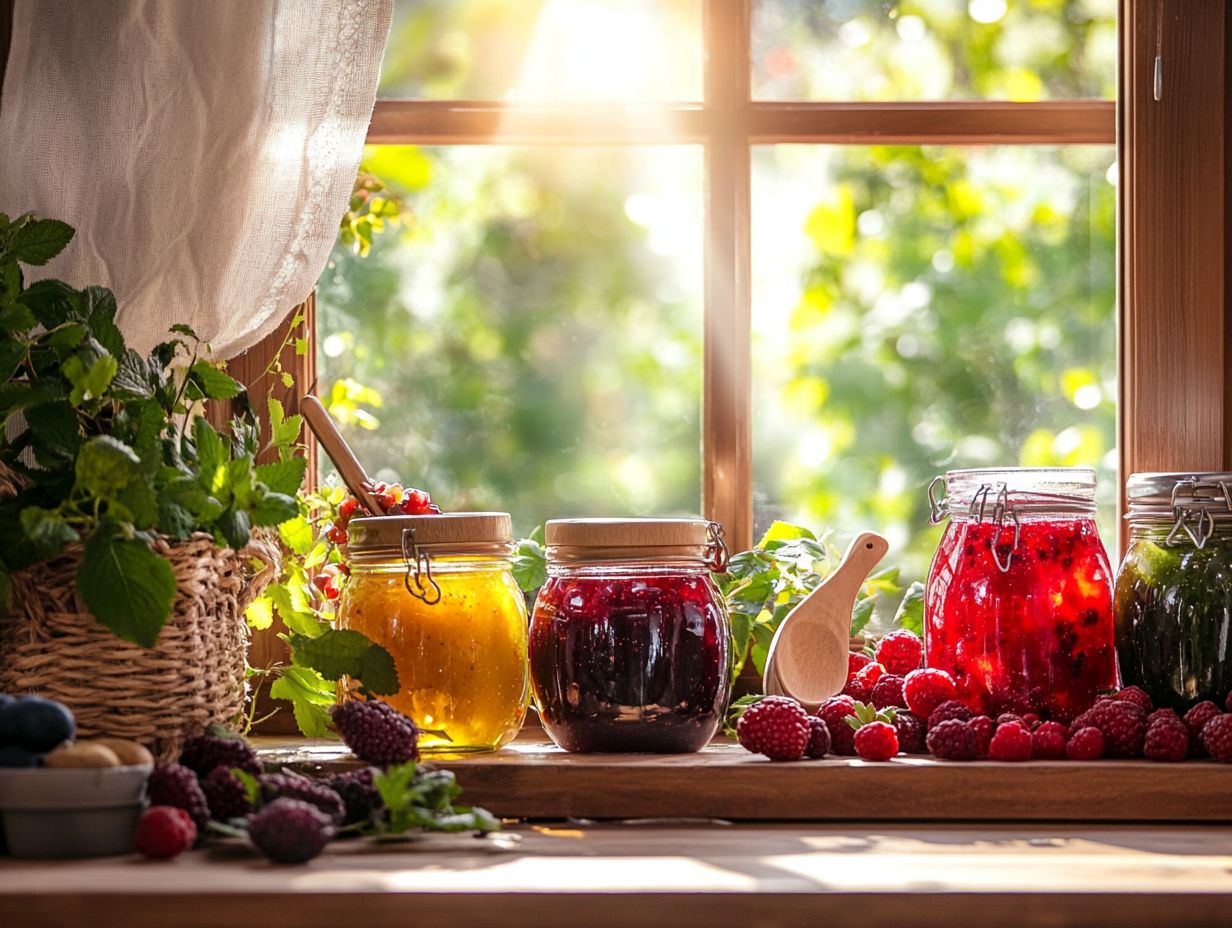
{"x": 204, "y": 151}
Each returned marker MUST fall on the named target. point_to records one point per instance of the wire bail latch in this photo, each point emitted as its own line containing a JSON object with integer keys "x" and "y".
{"x": 418, "y": 565}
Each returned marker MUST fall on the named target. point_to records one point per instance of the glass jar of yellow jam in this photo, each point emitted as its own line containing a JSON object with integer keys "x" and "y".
{"x": 438, "y": 593}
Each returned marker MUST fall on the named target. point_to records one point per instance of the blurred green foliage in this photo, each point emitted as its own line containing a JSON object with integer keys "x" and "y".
{"x": 528, "y": 336}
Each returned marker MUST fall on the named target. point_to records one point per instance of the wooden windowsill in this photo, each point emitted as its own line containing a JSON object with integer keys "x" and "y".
{"x": 622, "y": 875}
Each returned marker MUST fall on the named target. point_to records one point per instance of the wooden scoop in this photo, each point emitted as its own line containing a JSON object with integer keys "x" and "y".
{"x": 808, "y": 655}
{"x": 349, "y": 468}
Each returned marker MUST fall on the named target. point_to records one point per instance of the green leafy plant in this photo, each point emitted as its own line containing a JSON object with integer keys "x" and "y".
{"x": 421, "y": 799}
{"x": 305, "y": 597}
{"x": 762, "y": 585}
{"x": 111, "y": 448}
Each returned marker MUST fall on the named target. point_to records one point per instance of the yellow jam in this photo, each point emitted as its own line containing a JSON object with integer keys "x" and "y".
{"x": 462, "y": 662}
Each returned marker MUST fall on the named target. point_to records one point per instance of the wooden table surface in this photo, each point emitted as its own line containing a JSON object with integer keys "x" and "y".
{"x": 650, "y": 874}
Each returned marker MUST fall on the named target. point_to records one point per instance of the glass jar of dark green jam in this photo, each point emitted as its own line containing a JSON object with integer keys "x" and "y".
{"x": 1173, "y": 598}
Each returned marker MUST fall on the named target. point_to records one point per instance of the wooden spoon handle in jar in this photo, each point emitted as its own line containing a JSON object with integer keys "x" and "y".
{"x": 334, "y": 445}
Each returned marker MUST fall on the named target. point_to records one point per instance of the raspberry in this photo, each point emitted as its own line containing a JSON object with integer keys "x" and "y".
{"x": 376, "y": 732}
{"x": 288, "y": 831}
{"x": 819, "y": 738}
{"x": 982, "y": 728}
{"x": 1169, "y": 714}
{"x": 1030, "y": 721}
{"x": 357, "y": 789}
{"x": 1217, "y": 738}
{"x": 860, "y": 687}
{"x": 1122, "y": 723}
{"x": 226, "y": 795}
{"x": 950, "y": 709}
{"x": 1048, "y": 741}
{"x": 1197, "y": 717}
{"x": 1009, "y": 718}
{"x": 176, "y": 785}
{"x": 876, "y": 741}
{"x": 857, "y": 661}
{"x": 888, "y": 692}
{"x": 1085, "y": 744}
{"x": 216, "y": 749}
{"x": 1166, "y": 741}
{"x": 910, "y": 730}
{"x": 777, "y": 727}
{"x": 900, "y": 652}
{"x": 1010, "y": 742}
{"x": 1136, "y": 695}
{"x": 290, "y": 786}
{"x": 951, "y": 739}
{"x": 834, "y": 712}
{"x": 926, "y": 689}
{"x": 164, "y": 832}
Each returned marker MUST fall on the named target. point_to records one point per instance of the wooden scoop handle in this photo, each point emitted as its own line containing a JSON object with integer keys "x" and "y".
{"x": 349, "y": 468}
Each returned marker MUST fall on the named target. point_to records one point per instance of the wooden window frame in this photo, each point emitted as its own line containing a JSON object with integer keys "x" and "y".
{"x": 727, "y": 123}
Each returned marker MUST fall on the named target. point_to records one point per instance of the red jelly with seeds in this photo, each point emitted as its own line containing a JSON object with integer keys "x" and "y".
{"x": 629, "y": 641}
{"x": 1018, "y": 602}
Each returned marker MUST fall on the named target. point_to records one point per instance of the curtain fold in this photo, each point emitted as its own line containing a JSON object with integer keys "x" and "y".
{"x": 204, "y": 151}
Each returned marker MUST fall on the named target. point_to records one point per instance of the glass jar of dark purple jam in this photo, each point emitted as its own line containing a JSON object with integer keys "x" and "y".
{"x": 630, "y": 641}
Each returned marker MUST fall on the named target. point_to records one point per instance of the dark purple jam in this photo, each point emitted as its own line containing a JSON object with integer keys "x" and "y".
{"x": 624, "y": 663}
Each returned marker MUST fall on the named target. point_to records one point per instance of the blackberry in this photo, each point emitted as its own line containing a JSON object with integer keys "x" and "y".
{"x": 289, "y": 831}
{"x": 952, "y": 739}
{"x": 290, "y": 786}
{"x": 887, "y": 692}
{"x": 357, "y": 789}
{"x": 949, "y": 710}
{"x": 1122, "y": 722}
{"x": 376, "y": 732}
{"x": 819, "y": 738}
{"x": 176, "y": 785}
{"x": 226, "y": 795}
{"x": 910, "y": 730}
{"x": 202, "y": 754}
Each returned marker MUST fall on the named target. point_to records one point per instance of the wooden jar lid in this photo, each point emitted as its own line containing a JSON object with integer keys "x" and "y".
{"x": 450, "y": 532}
{"x": 631, "y": 539}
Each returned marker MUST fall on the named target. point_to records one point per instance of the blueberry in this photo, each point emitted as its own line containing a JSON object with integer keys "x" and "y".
{"x": 36, "y": 724}
{"x": 13, "y": 756}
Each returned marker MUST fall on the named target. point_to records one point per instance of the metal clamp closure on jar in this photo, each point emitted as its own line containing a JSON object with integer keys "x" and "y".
{"x": 591, "y": 541}
{"x": 1198, "y": 505}
{"x": 1002, "y": 504}
{"x": 416, "y": 540}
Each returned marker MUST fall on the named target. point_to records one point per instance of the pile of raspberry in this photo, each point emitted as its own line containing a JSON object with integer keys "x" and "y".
{"x": 893, "y": 705}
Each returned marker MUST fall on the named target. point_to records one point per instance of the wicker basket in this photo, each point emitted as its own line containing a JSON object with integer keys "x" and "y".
{"x": 161, "y": 696}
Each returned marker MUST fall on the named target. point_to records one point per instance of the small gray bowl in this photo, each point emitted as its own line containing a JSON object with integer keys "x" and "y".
{"x": 71, "y": 812}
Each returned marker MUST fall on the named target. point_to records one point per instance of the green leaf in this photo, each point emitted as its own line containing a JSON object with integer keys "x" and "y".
{"x": 214, "y": 383}
{"x": 910, "y": 614}
{"x": 186, "y": 330}
{"x": 39, "y": 241}
{"x": 274, "y": 509}
{"x": 105, "y": 466}
{"x": 861, "y": 613}
{"x": 46, "y": 530}
{"x": 140, "y": 504}
{"x": 126, "y": 586}
{"x": 345, "y": 652}
{"x": 211, "y": 451}
{"x": 310, "y": 696}
{"x": 14, "y": 317}
{"x": 784, "y": 531}
{"x": 283, "y": 476}
{"x": 530, "y": 565}
{"x": 53, "y": 303}
{"x": 235, "y": 527}
{"x": 12, "y": 352}
{"x": 102, "y": 313}
{"x": 297, "y": 535}
{"x": 95, "y": 381}
{"x": 295, "y": 611}
{"x": 260, "y": 613}
{"x": 132, "y": 377}
{"x": 54, "y": 433}
{"x": 174, "y": 519}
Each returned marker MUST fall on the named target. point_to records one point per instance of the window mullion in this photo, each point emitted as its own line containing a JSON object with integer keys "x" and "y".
{"x": 727, "y": 472}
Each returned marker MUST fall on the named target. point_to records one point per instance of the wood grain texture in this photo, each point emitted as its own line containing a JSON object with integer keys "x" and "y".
{"x": 962, "y": 122}
{"x": 536, "y": 780}
{"x": 855, "y": 875}
{"x": 1174, "y": 331}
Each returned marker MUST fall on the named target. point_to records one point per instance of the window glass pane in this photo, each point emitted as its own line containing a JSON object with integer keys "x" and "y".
{"x": 532, "y": 331}
{"x": 1019, "y": 50}
{"x": 922, "y": 309}
{"x": 544, "y": 50}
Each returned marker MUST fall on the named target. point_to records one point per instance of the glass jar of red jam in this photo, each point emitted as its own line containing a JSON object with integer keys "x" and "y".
{"x": 1018, "y": 602}
{"x": 630, "y": 640}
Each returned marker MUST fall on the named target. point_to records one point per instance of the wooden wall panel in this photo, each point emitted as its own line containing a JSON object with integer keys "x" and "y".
{"x": 1174, "y": 331}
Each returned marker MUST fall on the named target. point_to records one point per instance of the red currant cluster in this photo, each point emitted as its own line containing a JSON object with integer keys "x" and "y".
{"x": 394, "y": 499}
